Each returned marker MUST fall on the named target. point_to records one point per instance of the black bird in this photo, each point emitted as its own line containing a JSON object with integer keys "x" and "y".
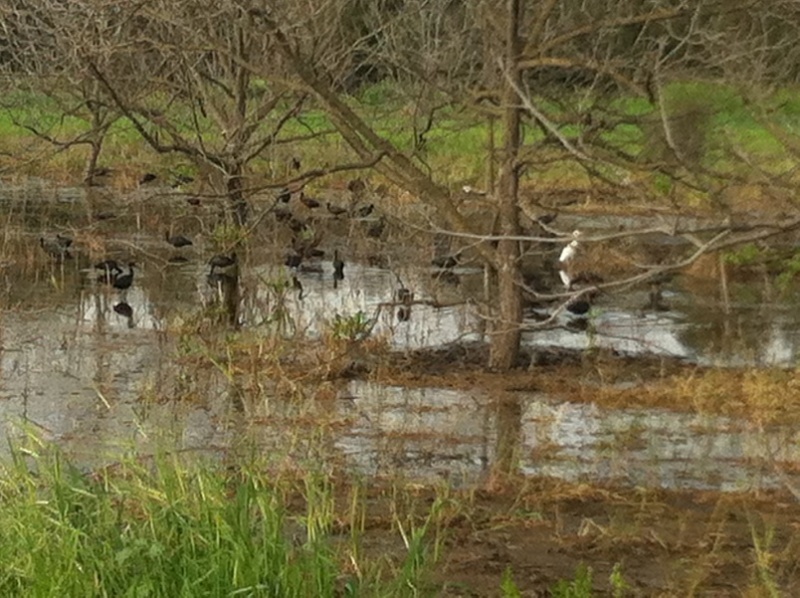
{"x": 284, "y": 195}
{"x": 126, "y": 280}
{"x": 336, "y": 210}
{"x": 308, "y": 202}
{"x": 365, "y": 211}
{"x": 219, "y": 279}
{"x": 296, "y": 284}
{"x": 338, "y": 267}
{"x": 579, "y": 307}
{"x": 193, "y": 201}
{"x": 108, "y": 265}
{"x": 148, "y": 177}
{"x": 546, "y": 218}
{"x": 282, "y": 214}
{"x": 101, "y": 171}
{"x": 297, "y": 225}
{"x": 296, "y": 165}
{"x": 181, "y": 179}
{"x": 177, "y": 241}
{"x": 446, "y": 261}
{"x": 447, "y": 277}
{"x": 376, "y": 230}
{"x": 107, "y": 277}
{"x": 110, "y": 269}
{"x": 406, "y": 297}
{"x": 293, "y": 260}
{"x": 222, "y": 261}
{"x": 356, "y": 186}
{"x": 96, "y": 176}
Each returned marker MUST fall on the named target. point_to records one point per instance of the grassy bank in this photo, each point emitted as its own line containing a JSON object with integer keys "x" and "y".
{"x": 180, "y": 527}
{"x": 712, "y": 124}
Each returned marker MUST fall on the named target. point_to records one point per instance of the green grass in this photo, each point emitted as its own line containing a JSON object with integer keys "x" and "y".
{"x": 177, "y": 527}
{"x": 456, "y": 148}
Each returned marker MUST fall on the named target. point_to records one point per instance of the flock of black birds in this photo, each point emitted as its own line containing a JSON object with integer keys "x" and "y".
{"x": 304, "y": 251}
{"x": 223, "y": 272}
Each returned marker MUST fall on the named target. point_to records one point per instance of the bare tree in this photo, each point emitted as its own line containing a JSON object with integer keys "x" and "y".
{"x": 47, "y": 48}
{"x": 561, "y": 67}
{"x": 210, "y": 87}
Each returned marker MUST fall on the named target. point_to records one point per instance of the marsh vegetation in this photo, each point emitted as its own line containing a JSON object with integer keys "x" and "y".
{"x": 418, "y": 298}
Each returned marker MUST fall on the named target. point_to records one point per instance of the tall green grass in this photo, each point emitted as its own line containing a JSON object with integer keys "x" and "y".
{"x": 174, "y": 527}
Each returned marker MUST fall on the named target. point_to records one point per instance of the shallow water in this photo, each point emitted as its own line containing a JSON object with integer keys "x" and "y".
{"x": 460, "y": 436}
{"x": 101, "y": 383}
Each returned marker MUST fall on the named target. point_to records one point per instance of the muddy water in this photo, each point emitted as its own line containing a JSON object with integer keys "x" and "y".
{"x": 77, "y": 368}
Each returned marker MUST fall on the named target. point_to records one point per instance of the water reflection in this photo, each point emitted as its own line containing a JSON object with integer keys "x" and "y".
{"x": 442, "y": 433}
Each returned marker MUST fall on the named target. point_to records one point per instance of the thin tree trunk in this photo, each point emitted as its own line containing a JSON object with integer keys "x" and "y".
{"x": 236, "y": 198}
{"x": 91, "y": 161}
{"x": 505, "y": 336}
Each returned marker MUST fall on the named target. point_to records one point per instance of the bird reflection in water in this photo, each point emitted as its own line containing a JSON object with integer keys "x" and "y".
{"x": 126, "y": 311}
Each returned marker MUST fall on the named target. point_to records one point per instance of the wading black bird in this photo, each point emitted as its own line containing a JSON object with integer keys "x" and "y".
{"x": 356, "y": 186}
{"x": 335, "y": 210}
{"x": 297, "y": 285}
{"x": 308, "y": 202}
{"x": 147, "y": 177}
{"x": 108, "y": 265}
{"x": 338, "y": 268}
{"x": 446, "y": 261}
{"x": 176, "y": 241}
{"x": 107, "y": 277}
{"x": 297, "y": 225}
{"x": 104, "y": 215}
{"x": 219, "y": 279}
{"x": 376, "y": 229}
{"x": 282, "y": 214}
{"x": 293, "y": 260}
{"x": 406, "y": 298}
{"x": 284, "y": 195}
{"x": 365, "y": 211}
{"x": 181, "y": 179}
{"x": 579, "y": 307}
{"x": 338, "y": 264}
{"x": 222, "y": 261}
{"x": 110, "y": 270}
{"x": 126, "y": 280}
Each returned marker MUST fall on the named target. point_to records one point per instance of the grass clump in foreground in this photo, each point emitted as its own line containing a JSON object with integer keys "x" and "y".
{"x": 168, "y": 527}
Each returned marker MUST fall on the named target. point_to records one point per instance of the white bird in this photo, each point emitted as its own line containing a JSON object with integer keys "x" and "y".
{"x": 571, "y": 249}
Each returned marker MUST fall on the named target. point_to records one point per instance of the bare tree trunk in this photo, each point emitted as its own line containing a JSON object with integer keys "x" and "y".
{"x": 505, "y": 335}
{"x": 236, "y": 198}
{"x": 91, "y": 161}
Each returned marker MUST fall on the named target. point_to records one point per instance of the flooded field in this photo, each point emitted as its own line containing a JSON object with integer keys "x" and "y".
{"x": 102, "y": 370}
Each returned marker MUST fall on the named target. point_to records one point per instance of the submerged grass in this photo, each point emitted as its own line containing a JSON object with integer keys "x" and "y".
{"x": 173, "y": 527}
